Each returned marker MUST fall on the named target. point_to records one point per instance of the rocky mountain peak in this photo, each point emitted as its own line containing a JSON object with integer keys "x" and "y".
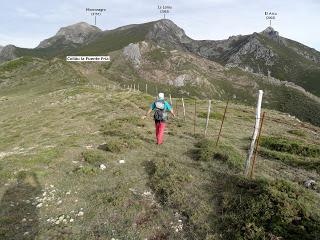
{"x": 75, "y": 31}
{"x": 167, "y": 33}
{"x": 7, "y": 53}
{"x": 78, "y": 33}
{"x": 271, "y": 33}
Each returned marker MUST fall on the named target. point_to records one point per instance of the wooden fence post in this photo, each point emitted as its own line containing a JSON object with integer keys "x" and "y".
{"x": 134, "y": 87}
{"x": 138, "y": 87}
{"x": 184, "y": 110}
{"x": 208, "y": 117}
{"x": 195, "y": 116}
{"x": 224, "y": 115}
{"x": 146, "y": 88}
{"x": 255, "y": 133}
{"x": 257, "y": 146}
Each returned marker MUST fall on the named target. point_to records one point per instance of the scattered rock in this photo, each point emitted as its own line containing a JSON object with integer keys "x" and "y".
{"x": 80, "y": 214}
{"x": 122, "y": 161}
{"x": 102, "y": 167}
{"x": 310, "y": 184}
{"x": 39, "y": 205}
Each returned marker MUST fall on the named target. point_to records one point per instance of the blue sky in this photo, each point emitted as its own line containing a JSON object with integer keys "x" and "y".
{"x": 26, "y": 22}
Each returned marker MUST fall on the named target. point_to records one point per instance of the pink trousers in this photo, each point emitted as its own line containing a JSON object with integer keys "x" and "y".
{"x": 159, "y": 131}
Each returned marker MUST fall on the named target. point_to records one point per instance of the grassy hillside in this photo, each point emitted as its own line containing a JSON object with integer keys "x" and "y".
{"x": 290, "y": 66}
{"x": 207, "y": 80}
{"x": 53, "y": 142}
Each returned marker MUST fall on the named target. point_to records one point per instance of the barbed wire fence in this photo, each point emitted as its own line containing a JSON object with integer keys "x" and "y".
{"x": 200, "y": 113}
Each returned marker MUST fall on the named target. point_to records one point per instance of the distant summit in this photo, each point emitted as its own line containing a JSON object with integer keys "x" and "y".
{"x": 78, "y": 33}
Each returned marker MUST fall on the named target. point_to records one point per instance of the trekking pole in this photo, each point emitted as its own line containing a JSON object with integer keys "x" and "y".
{"x": 194, "y": 117}
{"x": 257, "y": 146}
{"x": 139, "y": 87}
{"x": 208, "y": 116}
{"x": 184, "y": 110}
{"x": 170, "y": 99}
{"x": 224, "y": 115}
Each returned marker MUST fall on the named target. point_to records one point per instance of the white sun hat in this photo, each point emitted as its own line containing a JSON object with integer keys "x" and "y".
{"x": 161, "y": 95}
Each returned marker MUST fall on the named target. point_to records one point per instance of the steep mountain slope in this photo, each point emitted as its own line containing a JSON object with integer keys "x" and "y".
{"x": 160, "y": 53}
{"x": 265, "y": 53}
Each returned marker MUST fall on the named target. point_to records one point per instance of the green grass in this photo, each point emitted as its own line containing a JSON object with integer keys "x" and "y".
{"x": 14, "y": 64}
{"x": 213, "y": 115}
{"x": 208, "y": 151}
{"x": 297, "y": 132}
{"x": 292, "y": 160}
{"x": 52, "y": 129}
{"x": 115, "y": 39}
{"x": 290, "y": 146}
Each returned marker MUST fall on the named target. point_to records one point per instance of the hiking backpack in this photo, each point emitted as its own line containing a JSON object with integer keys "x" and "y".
{"x": 159, "y": 113}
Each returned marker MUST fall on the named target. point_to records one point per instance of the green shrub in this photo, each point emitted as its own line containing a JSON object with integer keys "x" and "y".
{"x": 119, "y": 144}
{"x": 297, "y": 132}
{"x": 258, "y": 209}
{"x": 166, "y": 179}
{"x": 94, "y": 156}
{"x": 292, "y": 160}
{"x": 208, "y": 151}
{"x": 86, "y": 170}
{"x": 290, "y": 146}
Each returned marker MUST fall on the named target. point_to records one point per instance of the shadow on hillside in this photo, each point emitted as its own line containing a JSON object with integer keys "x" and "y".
{"x": 18, "y": 217}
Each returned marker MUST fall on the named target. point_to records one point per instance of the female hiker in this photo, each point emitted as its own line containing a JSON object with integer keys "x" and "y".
{"x": 160, "y": 108}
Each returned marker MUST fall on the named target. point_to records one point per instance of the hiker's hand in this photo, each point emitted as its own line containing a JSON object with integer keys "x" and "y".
{"x": 143, "y": 117}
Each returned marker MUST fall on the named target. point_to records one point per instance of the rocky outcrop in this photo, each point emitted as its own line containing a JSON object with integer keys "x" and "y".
{"x": 8, "y": 53}
{"x": 253, "y": 48}
{"x": 270, "y": 33}
{"x": 132, "y": 53}
{"x": 79, "y": 33}
{"x": 166, "y": 33}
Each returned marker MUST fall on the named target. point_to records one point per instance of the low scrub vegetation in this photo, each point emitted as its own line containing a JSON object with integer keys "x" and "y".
{"x": 208, "y": 151}
{"x": 290, "y": 146}
{"x": 292, "y": 160}
{"x": 260, "y": 209}
{"x": 94, "y": 157}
